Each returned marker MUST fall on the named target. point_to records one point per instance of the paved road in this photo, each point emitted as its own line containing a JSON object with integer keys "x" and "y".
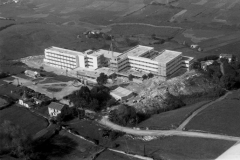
{"x": 104, "y": 121}
{"x": 184, "y": 123}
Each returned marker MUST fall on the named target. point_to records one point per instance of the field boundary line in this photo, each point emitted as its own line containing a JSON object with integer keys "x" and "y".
{"x": 196, "y": 112}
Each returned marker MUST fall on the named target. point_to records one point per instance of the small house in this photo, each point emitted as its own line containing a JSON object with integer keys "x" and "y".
{"x": 27, "y": 104}
{"x": 229, "y": 57}
{"x": 204, "y": 64}
{"x": 25, "y": 101}
{"x": 38, "y": 101}
{"x": 32, "y": 74}
{"x": 55, "y": 108}
{"x": 194, "y": 46}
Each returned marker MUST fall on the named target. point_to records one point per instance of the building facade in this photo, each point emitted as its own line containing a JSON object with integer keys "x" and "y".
{"x": 140, "y": 58}
{"x": 146, "y": 59}
{"x": 64, "y": 58}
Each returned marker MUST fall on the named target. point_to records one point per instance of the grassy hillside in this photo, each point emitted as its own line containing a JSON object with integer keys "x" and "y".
{"x": 40, "y": 23}
{"x": 220, "y": 118}
{"x": 174, "y": 147}
{"x": 171, "y": 119}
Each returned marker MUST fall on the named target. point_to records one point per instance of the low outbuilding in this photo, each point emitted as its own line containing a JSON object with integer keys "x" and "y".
{"x": 32, "y": 74}
{"x": 121, "y": 93}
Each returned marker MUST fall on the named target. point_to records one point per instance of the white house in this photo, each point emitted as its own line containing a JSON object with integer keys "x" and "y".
{"x": 26, "y": 104}
{"x": 194, "y": 46}
{"x": 24, "y": 101}
{"x": 55, "y": 108}
{"x": 32, "y": 74}
{"x": 229, "y": 57}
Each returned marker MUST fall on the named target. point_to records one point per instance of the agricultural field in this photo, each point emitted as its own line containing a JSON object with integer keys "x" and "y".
{"x": 170, "y": 119}
{"x": 175, "y": 147}
{"x": 9, "y": 90}
{"x": 136, "y": 29}
{"x": 110, "y": 155}
{"x": 84, "y": 126}
{"x": 27, "y": 120}
{"x": 220, "y": 118}
{"x": 75, "y": 148}
{"x": 3, "y": 102}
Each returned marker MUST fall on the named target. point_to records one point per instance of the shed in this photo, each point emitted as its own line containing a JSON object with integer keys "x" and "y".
{"x": 33, "y": 74}
{"x": 121, "y": 93}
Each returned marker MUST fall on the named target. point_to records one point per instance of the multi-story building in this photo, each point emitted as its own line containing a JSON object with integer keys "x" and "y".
{"x": 147, "y": 59}
{"x": 140, "y": 58}
{"x": 187, "y": 62}
{"x": 64, "y": 58}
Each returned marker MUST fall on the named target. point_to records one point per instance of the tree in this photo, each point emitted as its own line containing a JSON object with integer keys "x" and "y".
{"x": 144, "y": 76}
{"x": 130, "y": 77}
{"x": 102, "y": 79}
{"x": 150, "y": 75}
{"x": 41, "y": 68}
{"x": 15, "y": 141}
{"x": 124, "y": 115}
{"x": 228, "y": 81}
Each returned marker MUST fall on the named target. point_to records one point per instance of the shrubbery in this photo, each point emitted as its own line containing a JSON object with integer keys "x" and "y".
{"x": 124, "y": 115}
{"x": 95, "y": 99}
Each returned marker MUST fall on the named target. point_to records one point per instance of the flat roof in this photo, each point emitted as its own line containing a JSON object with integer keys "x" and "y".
{"x": 166, "y": 56}
{"x": 66, "y": 51}
{"x": 122, "y": 92}
{"x": 106, "y": 53}
{"x": 186, "y": 58}
{"x": 138, "y": 50}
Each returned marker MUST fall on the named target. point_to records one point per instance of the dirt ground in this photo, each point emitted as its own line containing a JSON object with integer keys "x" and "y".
{"x": 53, "y": 90}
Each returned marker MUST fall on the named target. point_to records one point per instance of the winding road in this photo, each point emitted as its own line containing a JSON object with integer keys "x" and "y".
{"x": 178, "y": 132}
{"x": 184, "y": 123}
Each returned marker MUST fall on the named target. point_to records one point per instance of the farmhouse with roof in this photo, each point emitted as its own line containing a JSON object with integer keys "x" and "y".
{"x": 229, "y": 57}
{"x": 25, "y": 101}
{"x": 32, "y": 74}
{"x": 55, "y": 108}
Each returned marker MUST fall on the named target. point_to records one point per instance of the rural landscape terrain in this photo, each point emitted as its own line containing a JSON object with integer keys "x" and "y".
{"x": 192, "y": 116}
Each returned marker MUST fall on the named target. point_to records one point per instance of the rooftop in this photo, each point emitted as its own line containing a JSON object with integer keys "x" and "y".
{"x": 106, "y": 53}
{"x": 66, "y": 51}
{"x": 55, "y": 105}
{"x": 166, "y": 56}
{"x": 94, "y": 73}
{"x": 226, "y": 55}
{"x": 138, "y": 50}
{"x": 122, "y": 92}
{"x": 186, "y": 58}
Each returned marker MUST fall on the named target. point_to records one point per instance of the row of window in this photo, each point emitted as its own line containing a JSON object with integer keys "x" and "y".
{"x": 61, "y": 61}
{"x": 51, "y": 57}
{"x": 142, "y": 61}
{"x": 60, "y": 55}
{"x": 62, "y": 64}
{"x": 144, "y": 65}
{"x": 173, "y": 61}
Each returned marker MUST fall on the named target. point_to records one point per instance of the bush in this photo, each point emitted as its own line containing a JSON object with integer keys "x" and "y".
{"x": 124, "y": 115}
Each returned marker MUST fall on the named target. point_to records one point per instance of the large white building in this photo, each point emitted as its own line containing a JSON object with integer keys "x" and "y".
{"x": 64, "y": 58}
{"x": 147, "y": 59}
{"x": 140, "y": 58}
{"x": 69, "y": 59}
